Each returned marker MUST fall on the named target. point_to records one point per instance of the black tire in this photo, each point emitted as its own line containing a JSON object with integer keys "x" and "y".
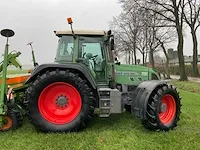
{"x": 127, "y": 108}
{"x": 153, "y": 121}
{"x": 15, "y": 115}
{"x": 81, "y": 85}
{"x": 24, "y": 103}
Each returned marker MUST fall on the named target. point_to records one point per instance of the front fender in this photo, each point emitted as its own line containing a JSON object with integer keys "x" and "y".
{"x": 141, "y": 96}
{"x": 79, "y": 68}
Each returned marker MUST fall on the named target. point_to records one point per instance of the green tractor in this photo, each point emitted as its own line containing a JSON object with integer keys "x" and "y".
{"x": 85, "y": 76}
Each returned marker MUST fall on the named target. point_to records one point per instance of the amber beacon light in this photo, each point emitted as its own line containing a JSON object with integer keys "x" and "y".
{"x": 69, "y": 20}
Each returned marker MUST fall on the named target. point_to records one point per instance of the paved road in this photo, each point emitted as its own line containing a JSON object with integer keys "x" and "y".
{"x": 175, "y": 77}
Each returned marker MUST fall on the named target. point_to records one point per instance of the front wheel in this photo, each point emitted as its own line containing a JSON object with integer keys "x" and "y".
{"x": 60, "y": 101}
{"x": 163, "y": 109}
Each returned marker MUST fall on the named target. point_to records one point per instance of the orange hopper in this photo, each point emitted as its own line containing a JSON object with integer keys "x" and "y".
{"x": 15, "y": 80}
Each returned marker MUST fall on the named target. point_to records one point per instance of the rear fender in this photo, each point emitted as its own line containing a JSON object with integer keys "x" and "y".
{"x": 79, "y": 68}
{"x": 141, "y": 96}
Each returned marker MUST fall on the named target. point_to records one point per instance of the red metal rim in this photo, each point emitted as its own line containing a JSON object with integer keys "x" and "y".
{"x": 7, "y": 123}
{"x": 168, "y": 115}
{"x": 60, "y": 103}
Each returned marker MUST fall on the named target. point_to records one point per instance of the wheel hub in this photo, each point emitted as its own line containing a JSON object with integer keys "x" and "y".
{"x": 163, "y": 107}
{"x": 167, "y": 109}
{"x": 62, "y": 101}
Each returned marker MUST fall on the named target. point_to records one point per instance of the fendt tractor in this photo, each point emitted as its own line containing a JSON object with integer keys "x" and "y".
{"x": 86, "y": 76}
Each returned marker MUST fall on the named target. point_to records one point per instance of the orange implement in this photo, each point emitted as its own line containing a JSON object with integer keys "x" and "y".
{"x": 15, "y": 79}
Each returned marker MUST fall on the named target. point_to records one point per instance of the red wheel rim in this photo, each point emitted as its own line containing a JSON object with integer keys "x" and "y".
{"x": 59, "y": 103}
{"x": 8, "y": 123}
{"x": 168, "y": 115}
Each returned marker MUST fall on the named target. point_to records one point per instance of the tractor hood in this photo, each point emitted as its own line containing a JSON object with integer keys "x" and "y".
{"x": 134, "y": 74}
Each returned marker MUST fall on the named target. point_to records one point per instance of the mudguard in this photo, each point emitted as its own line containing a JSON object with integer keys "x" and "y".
{"x": 79, "y": 68}
{"x": 141, "y": 96}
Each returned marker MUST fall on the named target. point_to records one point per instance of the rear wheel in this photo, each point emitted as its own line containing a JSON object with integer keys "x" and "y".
{"x": 60, "y": 101}
{"x": 163, "y": 109}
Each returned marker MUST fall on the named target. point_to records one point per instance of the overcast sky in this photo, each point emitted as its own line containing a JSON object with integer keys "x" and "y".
{"x": 35, "y": 20}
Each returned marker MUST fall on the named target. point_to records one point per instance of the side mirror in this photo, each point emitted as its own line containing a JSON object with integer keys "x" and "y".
{"x": 112, "y": 44}
{"x": 116, "y": 61}
{"x": 109, "y": 32}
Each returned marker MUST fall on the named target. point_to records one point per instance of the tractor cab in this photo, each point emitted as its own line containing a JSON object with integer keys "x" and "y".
{"x": 93, "y": 48}
{"x": 89, "y": 47}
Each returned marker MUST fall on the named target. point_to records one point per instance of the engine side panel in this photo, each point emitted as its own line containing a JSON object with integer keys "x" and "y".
{"x": 133, "y": 74}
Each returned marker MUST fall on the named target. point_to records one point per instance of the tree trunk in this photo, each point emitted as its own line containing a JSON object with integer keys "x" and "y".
{"x": 183, "y": 75}
{"x": 143, "y": 58}
{"x": 132, "y": 61}
{"x": 129, "y": 57}
{"x": 167, "y": 61}
{"x": 195, "y": 54}
{"x": 135, "y": 56}
{"x": 151, "y": 58}
{"x": 134, "y": 50}
{"x": 126, "y": 58}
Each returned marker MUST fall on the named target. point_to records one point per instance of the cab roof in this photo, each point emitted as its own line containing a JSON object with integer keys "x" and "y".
{"x": 81, "y": 32}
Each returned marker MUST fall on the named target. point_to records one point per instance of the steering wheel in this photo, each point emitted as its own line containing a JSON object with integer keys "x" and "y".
{"x": 84, "y": 55}
{"x": 93, "y": 57}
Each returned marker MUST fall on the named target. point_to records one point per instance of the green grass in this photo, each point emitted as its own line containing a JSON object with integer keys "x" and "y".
{"x": 17, "y": 71}
{"x": 116, "y": 133}
{"x": 187, "y": 86}
{"x": 13, "y": 72}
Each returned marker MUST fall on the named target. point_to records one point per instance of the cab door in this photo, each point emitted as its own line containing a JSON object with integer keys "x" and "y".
{"x": 92, "y": 49}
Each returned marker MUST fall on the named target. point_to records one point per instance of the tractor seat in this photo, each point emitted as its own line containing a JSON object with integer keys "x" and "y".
{"x": 100, "y": 66}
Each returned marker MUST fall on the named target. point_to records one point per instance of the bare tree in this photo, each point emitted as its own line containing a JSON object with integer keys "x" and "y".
{"x": 191, "y": 16}
{"x": 141, "y": 45}
{"x": 127, "y": 32}
{"x": 152, "y": 42}
{"x": 137, "y": 29}
{"x": 165, "y": 37}
{"x": 171, "y": 11}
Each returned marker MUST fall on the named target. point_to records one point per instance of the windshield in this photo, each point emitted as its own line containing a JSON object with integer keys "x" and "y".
{"x": 92, "y": 48}
{"x": 88, "y": 46}
{"x": 65, "y": 49}
{"x": 92, "y": 45}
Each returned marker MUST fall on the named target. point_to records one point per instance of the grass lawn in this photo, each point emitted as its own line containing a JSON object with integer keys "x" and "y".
{"x": 17, "y": 71}
{"x": 117, "y": 133}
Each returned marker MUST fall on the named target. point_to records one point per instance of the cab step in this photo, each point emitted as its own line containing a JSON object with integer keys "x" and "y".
{"x": 110, "y": 102}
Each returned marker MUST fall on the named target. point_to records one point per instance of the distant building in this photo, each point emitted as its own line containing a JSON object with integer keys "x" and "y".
{"x": 172, "y": 54}
{"x": 188, "y": 60}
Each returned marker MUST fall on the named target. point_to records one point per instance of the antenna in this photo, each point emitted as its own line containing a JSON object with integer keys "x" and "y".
{"x": 7, "y": 33}
{"x": 33, "y": 55}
